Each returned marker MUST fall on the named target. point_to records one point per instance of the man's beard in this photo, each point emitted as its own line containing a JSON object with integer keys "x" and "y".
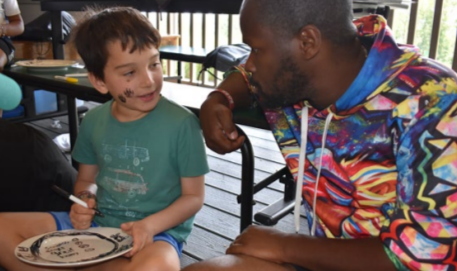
{"x": 288, "y": 87}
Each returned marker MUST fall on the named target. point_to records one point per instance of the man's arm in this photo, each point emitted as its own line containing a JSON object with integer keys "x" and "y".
{"x": 337, "y": 254}
{"x": 216, "y": 117}
{"x": 422, "y": 227}
{"x": 235, "y": 84}
{"x": 313, "y": 253}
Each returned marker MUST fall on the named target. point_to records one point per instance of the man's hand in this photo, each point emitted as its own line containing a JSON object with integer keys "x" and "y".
{"x": 218, "y": 128}
{"x": 260, "y": 242}
{"x": 140, "y": 234}
{"x": 82, "y": 217}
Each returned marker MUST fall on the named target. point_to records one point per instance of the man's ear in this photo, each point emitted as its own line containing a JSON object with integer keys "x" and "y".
{"x": 310, "y": 41}
{"x": 98, "y": 83}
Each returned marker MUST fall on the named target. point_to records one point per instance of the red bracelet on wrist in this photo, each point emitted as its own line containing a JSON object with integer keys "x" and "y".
{"x": 227, "y": 96}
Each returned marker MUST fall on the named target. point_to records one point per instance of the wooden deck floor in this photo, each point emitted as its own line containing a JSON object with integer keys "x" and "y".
{"x": 217, "y": 224}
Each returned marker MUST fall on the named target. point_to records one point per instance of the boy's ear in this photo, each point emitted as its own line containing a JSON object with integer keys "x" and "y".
{"x": 98, "y": 83}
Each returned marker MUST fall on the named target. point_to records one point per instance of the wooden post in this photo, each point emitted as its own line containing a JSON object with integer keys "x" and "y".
{"x": 436, "y": 28}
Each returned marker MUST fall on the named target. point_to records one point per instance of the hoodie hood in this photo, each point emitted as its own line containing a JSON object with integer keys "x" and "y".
{"x": 384, "y": 52}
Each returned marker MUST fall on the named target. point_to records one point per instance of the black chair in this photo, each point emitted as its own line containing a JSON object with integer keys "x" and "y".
{"x": 271, "y": 214}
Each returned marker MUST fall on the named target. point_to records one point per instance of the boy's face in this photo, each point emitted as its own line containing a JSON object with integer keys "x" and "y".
{"x": 133, "y": 79}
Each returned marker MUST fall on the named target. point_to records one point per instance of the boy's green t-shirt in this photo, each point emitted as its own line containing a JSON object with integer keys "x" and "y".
{"x": 141, "y": 162}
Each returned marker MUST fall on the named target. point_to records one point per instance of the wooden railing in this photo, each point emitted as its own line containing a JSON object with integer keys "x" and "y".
{"x": 198, "y": 30}
{"x": 430, "y": 24}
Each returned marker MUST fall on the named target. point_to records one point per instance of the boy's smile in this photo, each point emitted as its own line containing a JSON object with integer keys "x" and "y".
{"x": 134, "y": 79}
{"x": 148, "y": 97}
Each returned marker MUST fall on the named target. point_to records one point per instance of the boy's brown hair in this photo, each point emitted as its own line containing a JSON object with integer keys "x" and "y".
{"x": 99, "y": 28}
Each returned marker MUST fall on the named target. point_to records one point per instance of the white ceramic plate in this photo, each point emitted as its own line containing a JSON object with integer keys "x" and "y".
{"x": 74, "y": 247}
{"x": 46, "y": 64}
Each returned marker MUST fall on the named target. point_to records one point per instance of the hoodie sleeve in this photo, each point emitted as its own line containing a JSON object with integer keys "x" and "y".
{"x": 421, "y": 233}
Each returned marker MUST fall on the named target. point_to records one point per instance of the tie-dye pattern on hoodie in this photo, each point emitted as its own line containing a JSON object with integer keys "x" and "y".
{"x": 389, "y": 166}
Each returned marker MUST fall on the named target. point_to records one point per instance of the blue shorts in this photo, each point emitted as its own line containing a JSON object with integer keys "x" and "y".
{"x": 63, "y": 223}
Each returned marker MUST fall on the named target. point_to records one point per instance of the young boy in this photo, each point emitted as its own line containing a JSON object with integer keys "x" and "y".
{"x": 141, "y": 157}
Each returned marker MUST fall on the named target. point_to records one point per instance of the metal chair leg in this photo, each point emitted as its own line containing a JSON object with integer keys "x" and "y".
{"x": 247, "y": 182}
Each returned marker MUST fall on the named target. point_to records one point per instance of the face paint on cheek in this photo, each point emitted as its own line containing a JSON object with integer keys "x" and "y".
{"x": 122, "y": 98}
{"x": 128, "y": 93}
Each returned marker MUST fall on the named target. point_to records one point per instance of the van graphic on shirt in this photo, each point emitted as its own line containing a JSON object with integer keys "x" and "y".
{"x": 126, "y": 182}
{"x": 133, "y": 153}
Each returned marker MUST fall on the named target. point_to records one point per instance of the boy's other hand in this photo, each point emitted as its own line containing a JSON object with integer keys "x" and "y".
{"x": 80, "y": 216}
{"x": 140, "y": 234}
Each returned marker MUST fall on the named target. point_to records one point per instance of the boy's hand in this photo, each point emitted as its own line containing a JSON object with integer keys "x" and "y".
{"x": 82, "y": 217}
{"x": 140, "y": 234}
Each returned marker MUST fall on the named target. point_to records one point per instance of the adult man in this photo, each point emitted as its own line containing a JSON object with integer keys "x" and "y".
{"x": 379, "y": 166}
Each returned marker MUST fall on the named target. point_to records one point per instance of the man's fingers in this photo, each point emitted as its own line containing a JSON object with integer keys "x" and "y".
{"x": 224, "y": 145}
{"x": 238, "y": 142}
{"x": 230, "y": 132}
{"x": 227, "y": 125}
{"x": 234, "y": 248}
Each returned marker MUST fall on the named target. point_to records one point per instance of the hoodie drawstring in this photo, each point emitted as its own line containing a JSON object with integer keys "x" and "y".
{"x": 301, "y": 168}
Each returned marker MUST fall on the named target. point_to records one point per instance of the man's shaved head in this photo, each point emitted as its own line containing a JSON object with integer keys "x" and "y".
{"x": 287, "y": 17}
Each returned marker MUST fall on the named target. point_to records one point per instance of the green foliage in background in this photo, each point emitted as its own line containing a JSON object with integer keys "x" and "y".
{"x": 424, "y": 25}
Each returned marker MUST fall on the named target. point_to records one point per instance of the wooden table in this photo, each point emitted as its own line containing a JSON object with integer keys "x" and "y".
{"x": 186, "y": 95}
